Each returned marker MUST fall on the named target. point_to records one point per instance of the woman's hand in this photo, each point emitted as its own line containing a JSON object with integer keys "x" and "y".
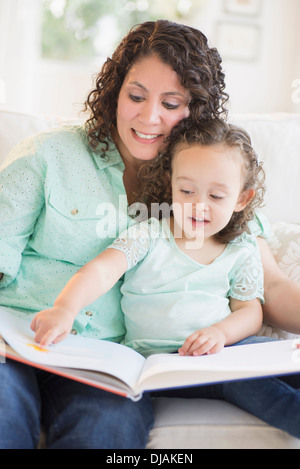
{"x": 204, "y": 341}
{"x": 52, "y": 325}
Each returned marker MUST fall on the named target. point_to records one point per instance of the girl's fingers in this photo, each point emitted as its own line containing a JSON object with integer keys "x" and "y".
{"x": 188, "y": 344}
{"x": 202, "y": 347}
{"x": 201, "y": 343}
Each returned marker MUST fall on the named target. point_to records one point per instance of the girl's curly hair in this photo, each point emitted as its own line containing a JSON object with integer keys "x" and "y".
{"x": 155, "y": 176}
{"x": 182, "y": 47}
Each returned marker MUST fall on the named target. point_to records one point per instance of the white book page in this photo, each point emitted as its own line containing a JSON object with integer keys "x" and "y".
{"x": 242, "y": 361}
{"x": 74, "y": 352}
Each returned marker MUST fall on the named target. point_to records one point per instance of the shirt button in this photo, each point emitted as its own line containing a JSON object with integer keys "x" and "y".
{"x": 89, "y": 313}
{"x": 74, "y": 211}
{"x": 73, "y": 332}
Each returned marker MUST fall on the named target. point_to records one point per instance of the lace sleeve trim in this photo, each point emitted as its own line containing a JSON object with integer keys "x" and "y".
{"x": 136, "y": 242}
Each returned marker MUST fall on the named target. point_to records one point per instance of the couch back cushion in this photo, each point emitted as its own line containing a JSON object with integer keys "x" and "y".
{"x": 15, "y": 126}
{"x": 276, "y": 139}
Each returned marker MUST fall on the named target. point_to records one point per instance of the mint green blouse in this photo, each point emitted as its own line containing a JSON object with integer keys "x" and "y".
{"x": 167, "y": 295}
{"x": 60, "y": 206}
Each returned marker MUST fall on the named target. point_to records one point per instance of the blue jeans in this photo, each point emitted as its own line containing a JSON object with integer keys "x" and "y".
{"x": 276, "y": 400}
{"x": 74, "y": 415}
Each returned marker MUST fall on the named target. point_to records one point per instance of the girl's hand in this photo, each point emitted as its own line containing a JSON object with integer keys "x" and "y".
{"x": 52, "y": 325}
{"x": 204, "y": 341}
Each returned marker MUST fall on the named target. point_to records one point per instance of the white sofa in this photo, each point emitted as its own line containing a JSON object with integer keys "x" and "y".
{"x": 195, "y": 423}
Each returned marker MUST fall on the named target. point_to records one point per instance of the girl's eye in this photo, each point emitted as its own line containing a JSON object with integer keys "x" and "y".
{"x": 216, "y": 197}
{"x": 186, "y": 192}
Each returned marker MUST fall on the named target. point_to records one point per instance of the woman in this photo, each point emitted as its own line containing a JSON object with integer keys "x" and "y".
{"x": 53, "y": 188}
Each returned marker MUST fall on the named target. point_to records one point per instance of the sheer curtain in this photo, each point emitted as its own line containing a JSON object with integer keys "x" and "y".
{"x": 19, "y": 53}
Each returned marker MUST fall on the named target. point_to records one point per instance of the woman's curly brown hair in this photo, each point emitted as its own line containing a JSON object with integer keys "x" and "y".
{"x": 155, "y": 176}
{"x": 182, "y": 47}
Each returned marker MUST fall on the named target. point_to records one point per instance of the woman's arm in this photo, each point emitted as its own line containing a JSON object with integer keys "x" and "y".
{"x": 87, "y": 285}
{"x": 282, "y": 295}
{"x": 245, "y": 320}
{"x": 22, "y": 181}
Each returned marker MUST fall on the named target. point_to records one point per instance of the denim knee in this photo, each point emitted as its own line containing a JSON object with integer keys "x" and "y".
{"x": 84, "y": 417}
{"x": 20, "y": 404}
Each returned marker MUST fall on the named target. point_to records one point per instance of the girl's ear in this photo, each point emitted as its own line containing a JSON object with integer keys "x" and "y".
{"x": 244, "y": 199}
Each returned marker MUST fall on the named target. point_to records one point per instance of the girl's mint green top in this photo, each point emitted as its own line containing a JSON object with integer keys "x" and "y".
{"x": 60, "y": 206}
{"x": 167, "y": 295}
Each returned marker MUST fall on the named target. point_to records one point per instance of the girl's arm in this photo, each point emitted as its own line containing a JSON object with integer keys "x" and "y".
{"x": 86, "y": 286}
{"x": 244, "y": 321}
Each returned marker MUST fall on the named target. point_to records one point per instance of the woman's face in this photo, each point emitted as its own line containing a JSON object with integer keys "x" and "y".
{"x": 151, "y": 102}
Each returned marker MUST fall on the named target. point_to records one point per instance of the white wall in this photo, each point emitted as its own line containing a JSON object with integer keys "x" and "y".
{"x": 264, "y": 84}
{"x": 19, "y": 53}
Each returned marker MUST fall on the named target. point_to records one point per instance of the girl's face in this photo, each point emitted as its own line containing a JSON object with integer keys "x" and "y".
{"x": 207, "y": 187}
{"x": 151, "y": 102}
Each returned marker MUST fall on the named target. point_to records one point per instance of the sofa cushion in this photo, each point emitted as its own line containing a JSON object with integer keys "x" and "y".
{"x": 15, "y": 126}
{"x": 276, "y": 139}
{"x": 214, "y": 424}
{"x": 285, "y": 245}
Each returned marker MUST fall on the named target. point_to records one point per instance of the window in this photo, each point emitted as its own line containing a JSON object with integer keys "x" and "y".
{"x": 76, "y": 30}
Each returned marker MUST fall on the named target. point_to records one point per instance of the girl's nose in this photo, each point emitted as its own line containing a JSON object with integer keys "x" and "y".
{"x": 201, "y": 209}
{"x": 202, "y": 206}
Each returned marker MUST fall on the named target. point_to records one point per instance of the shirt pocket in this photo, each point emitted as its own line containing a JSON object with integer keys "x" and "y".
{"x": 74, "y": 207}
{"x": 67, "y": 229}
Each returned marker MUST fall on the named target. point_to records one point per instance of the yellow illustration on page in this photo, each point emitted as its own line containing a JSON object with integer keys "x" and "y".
{"x": 37, "y": 348}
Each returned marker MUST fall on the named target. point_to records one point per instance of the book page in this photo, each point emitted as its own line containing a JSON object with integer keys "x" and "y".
{"x": 236, "y": 362}
{"x": 76, "y": 352}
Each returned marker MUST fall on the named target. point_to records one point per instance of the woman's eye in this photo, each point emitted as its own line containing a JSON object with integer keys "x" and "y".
{"x": 170, "y": 106}
{"x": 135, "y": 98}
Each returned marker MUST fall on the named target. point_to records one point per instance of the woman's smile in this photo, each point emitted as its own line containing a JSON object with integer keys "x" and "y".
{"x": 145, "y": 138}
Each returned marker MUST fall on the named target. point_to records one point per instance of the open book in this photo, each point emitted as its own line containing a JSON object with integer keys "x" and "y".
{"x": 119, "y": 369}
